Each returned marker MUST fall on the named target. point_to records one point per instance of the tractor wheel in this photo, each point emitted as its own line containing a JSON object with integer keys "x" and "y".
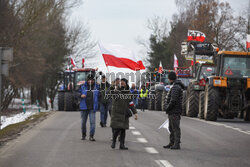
{"x": 164, "y": 100}
{"x": 201, "y": 105}
{"x": 211, "y": 103}
{"x": 151, "y": 103}
{"x": 68, "y": 101}
{"x": 60, "y": 101}
{"x": 246, "y": 114}
{"x": 228, "y": 115}
{"x": 184, "y": 100}
{"x": 158, "y": 96}
{"x": 192, "y": 105}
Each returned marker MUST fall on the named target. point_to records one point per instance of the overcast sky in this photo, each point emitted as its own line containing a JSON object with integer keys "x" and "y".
{"x": 122, "y": 21}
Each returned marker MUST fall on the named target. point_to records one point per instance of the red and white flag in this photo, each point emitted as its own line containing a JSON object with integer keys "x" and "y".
{"x": 248, "y": 41}
{"x": 160, "y": 68}
{"x": 120, "y": 57}
{"x": 72, "y": 61}
{"x": 176, "y": 64}
{"x": 196, "y": 36}
{"x": 83, "y": 61}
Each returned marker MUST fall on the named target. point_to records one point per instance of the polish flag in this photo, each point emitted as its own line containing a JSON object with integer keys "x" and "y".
{"x": 160, "y": 68}
{"x": 120, "y": 57}
{"x": 176, "y": 64}
{"x": 72, "y": 61}
{"x": 196, "y": 36}
{"x": 83, "y": 60}
{"x": 248, "y": 41}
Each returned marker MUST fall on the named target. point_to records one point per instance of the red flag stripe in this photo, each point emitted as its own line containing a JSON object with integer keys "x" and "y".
{"x": 118, "y": 62}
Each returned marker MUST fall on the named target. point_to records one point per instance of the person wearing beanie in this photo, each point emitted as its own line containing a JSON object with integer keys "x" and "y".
{"x": 174, "y": 110}
{"x": 89, "y": 105}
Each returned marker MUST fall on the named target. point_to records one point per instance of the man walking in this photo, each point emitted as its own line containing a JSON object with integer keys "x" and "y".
{"x": 89, "y": 105}
{"x": 174, "y": 110}
{"x": 143, "y": 96}
{"x": 104, "y": 102}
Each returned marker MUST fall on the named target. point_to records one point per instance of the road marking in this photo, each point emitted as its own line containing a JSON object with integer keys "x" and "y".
{"x": 220, "y": 124}
{"x": 136, "y": 133}
{"x": 163, "y": 163}
{"x": 142, "y": 140}
{"x": 151, "y": 150}
{"x": 131, "y": 127}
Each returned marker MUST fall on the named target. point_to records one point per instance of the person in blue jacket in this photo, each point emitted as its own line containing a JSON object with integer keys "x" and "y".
{"x": 89, "y": 105}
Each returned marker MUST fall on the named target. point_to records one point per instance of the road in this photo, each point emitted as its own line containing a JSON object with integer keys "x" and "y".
{"x": 56, "y": 142}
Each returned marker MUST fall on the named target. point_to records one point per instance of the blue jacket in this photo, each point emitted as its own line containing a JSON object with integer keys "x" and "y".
{"x": 83, "y": 91}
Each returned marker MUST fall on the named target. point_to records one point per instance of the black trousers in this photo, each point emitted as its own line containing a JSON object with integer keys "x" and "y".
{"x": 121, "y": 132}
{"x": 174, "y": 128}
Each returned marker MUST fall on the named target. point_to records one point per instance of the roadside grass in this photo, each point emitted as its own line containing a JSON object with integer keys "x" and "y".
{"x": 15, "y": 129}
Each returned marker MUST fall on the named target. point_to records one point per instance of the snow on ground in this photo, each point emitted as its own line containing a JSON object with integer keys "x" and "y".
{"x": 20, "y": 117}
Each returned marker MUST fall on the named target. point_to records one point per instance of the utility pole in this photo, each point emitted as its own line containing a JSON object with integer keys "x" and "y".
{"x": 6, "y": 55}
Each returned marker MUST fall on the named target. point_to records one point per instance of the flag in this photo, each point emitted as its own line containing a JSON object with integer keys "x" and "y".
{"x": 165, "y": 125}
{"x": 196, "y": 36}
{"x": 120, "y": 57}
{"x": 176, "y": 64}
{"x": 72, "y": 61}
{"x": 248, "y": 41}
{"x": 160, "y": 68}
{"x": 83, "y": 60}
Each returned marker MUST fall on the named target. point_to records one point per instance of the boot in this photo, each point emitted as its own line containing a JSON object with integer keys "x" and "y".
{"x": 122, "y": 147}
{"x": 168, "y": 146}
{"x": 175, "y": 146}
{"x": 113, "y": 144}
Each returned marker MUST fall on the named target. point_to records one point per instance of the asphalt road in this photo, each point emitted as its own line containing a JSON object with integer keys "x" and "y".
{"x": 56, "y": 142}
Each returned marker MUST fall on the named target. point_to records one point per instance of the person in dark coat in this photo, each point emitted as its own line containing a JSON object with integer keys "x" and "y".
{"x": 89, "y": 105}
{"x": 121, "y": 106}
{"x": 174, "y": 110}
{"x": 104, "y": 101}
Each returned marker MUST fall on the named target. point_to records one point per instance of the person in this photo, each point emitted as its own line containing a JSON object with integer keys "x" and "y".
{"x": 143, "y": 96}
{"x": 89, "y": 105}
{"x": 104, "y": 102}
{"x": 174, "y": 110}
{"x": 135, "y": 94}
{"x": 121, "y": 106}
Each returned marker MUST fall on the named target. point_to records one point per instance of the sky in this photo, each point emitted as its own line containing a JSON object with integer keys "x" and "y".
{"x": 123, "y": 21}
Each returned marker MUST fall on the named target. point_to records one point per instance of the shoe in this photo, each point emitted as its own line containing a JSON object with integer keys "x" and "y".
{"x": 122, "y": 147}
{"x": 113, "y": 145}
{"x": 83, "y": 137}
{"x": 101, "y": 124}
{"x": 175, "y": 147}
{"x": 104, "y": 125}
{"x": 91, "y": 139}
{"x": 168, "y": 146}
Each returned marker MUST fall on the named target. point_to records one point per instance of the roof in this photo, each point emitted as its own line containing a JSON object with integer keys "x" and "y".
{"x": 234, "y": 53}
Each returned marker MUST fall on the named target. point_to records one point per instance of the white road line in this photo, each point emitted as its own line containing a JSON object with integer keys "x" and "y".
{"x": 220, "y": 124}
{"x": 142, "y": 140}
{"x": 163, "y": 163}
{"x": 131, "y": 127}
{"x": 136, "y": 133}
{"x": 151, "y": 150}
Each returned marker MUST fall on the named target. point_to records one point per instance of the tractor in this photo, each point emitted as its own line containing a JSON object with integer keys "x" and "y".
{"x": 68, "y": 93}
{"x": 227, "y": 93}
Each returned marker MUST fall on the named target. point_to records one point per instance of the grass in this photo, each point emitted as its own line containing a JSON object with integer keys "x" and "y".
{"x": 14, "y": 129}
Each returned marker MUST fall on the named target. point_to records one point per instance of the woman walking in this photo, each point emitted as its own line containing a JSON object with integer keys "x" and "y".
{"x": 122, "y": 109}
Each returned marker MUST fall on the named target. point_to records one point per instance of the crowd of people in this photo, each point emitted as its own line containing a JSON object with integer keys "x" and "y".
{"x": 120, "y": 101}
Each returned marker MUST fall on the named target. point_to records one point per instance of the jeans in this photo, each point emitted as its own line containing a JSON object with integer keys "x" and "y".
{"x": 104, "y": 112}
{"x": 84, "y": 116}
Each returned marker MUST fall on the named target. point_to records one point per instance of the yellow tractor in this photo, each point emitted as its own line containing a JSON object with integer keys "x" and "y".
{"x": 227, "y": 92}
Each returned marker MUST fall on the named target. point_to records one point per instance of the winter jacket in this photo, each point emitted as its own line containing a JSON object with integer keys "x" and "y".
{"x": 120, "y": 106}
{"x": 83, "y": 90}
{"x": 104, "y": 89}
{"x": 174, "y": 98}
